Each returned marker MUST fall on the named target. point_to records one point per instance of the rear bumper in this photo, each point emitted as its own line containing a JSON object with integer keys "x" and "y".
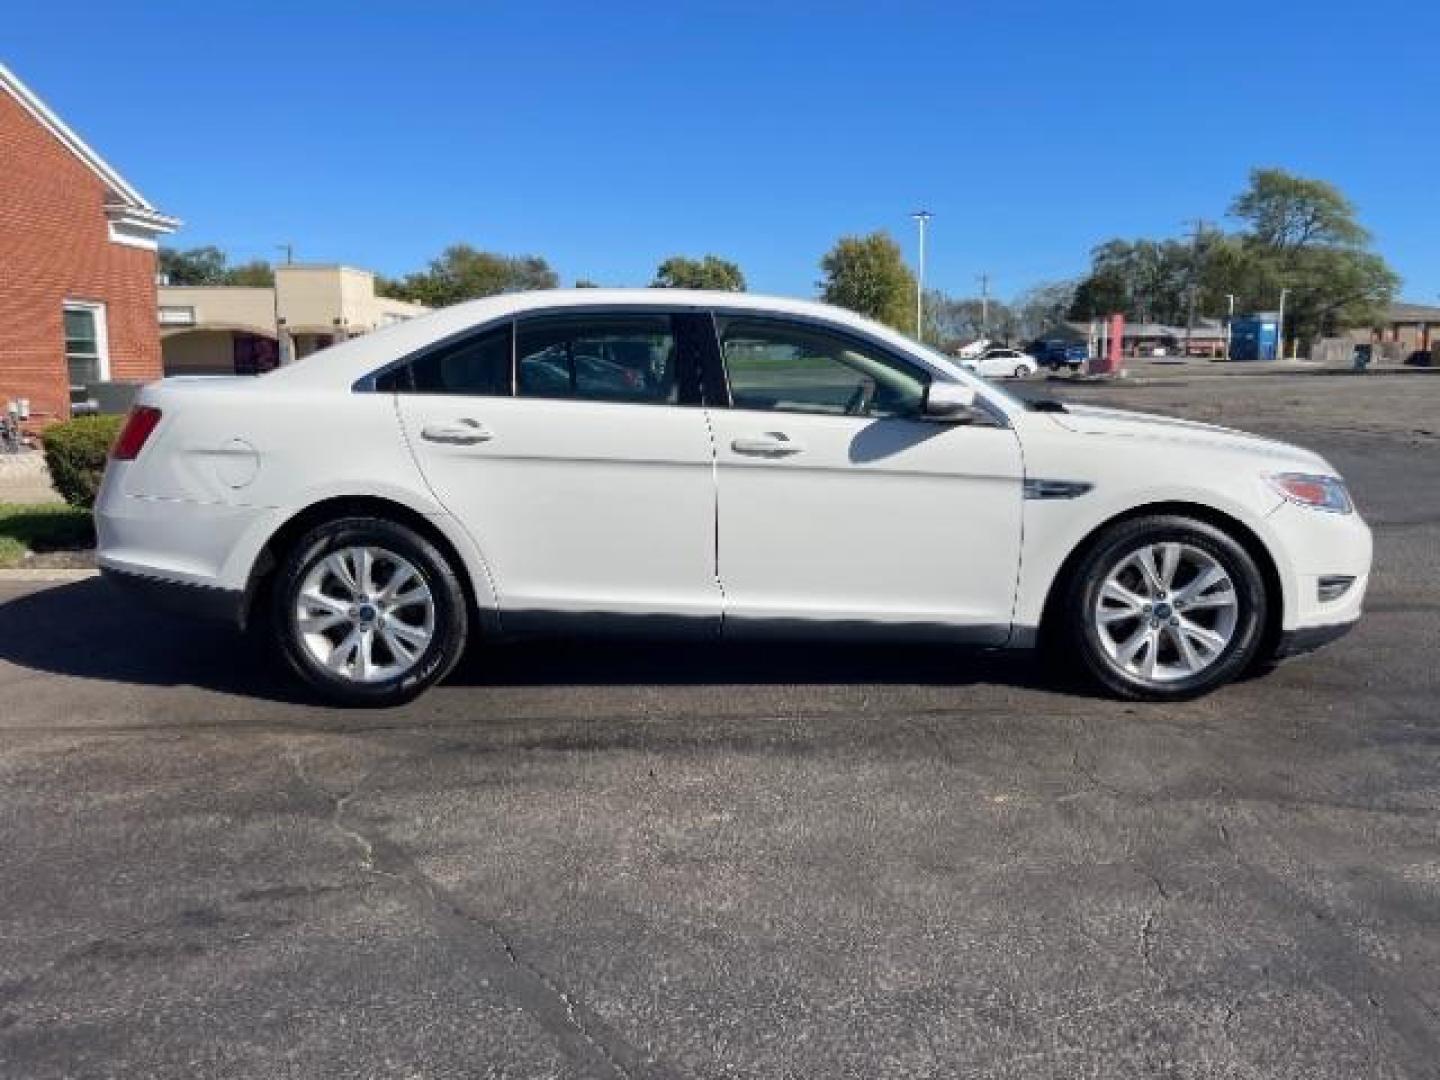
{"x": 1309, "y": 638}
{"x": 180, "y": 597}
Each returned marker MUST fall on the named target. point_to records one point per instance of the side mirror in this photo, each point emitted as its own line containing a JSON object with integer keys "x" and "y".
{"x": 948, "y": 401}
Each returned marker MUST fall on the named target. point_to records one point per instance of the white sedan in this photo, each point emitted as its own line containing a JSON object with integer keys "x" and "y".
{"x": 713, "y": 465}
{"x": 1002, "y": 364}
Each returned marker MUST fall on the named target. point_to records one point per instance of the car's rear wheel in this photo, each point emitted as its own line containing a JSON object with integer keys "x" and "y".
{"x": 369, "y": 612}
{"x": 1021, "y": 371}
{"x": 1165, "y": 608}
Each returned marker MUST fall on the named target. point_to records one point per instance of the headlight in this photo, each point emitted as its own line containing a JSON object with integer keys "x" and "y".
{"x": 1316, "y": 492}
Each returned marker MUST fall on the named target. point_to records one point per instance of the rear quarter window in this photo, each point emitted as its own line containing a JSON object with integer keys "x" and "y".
{"x": 479, "y": 364}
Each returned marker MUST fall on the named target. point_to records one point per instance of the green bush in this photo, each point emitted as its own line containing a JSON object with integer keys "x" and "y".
{"x": 75, "y": 451}
{"x": 39, "y": 528}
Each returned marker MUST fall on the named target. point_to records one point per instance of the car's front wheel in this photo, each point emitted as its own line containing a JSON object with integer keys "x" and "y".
{"x": 369, "y": 612}
{"x": 1165, "y": 608}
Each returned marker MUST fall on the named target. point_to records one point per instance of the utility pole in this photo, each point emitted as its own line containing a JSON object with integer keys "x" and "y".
{"x": 1200, "y": 224}
{"x": 985, "y": 305}
{"x": 922, "y": 217}
{"x": 289, "y": 250}
{"x": 1280, "y": 328}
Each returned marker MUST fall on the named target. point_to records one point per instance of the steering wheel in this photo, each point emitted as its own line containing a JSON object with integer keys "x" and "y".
{"x": 859, "y": 403}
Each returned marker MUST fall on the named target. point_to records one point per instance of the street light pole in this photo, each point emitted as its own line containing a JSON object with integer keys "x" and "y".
{"x": 985, "y": 306}
{"x": 282, "y": 339}
{"x": 922, "y": 217}
{"x": 1229, "y": 323}
{"x": 1280, "y": 328}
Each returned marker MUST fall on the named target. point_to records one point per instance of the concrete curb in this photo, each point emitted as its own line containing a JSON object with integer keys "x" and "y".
{"x": 58, "y": 573}
{"x": 1183, "y": 373}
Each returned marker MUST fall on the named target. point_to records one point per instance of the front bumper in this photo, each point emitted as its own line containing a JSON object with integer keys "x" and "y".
{"x": 1309, "y": 638}
{"x": 180, "y": 597}
{"x": 1311, "y": 546}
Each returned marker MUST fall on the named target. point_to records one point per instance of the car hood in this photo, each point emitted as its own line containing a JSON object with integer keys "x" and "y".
{"x": 1121, "y": 423}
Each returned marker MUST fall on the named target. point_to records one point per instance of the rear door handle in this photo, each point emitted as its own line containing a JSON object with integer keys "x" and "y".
{"x": 460, "y": 432}
{"x": 772, "y": 444}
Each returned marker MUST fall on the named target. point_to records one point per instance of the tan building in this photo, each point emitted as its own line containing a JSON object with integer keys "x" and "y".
{"x": 240, "y": 330}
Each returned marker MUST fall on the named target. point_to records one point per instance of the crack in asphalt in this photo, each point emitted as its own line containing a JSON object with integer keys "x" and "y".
{"x": 1146, "y": 942}
{"x": 1147, "y": 928}
{"x": 1095, "y": 783}
{"x": 1347, "y": 970}
{"x": 576, "y": 1028}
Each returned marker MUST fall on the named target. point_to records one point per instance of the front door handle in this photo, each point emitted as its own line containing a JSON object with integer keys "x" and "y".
{"x": 460, "y": 432}
{"x": 772, "y": 444}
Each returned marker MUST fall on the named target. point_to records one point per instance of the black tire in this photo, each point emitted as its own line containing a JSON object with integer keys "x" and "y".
{"x": 1021, "y": 371}
{"x": 1081, "y": 637}
{"x": 451, "y": 617}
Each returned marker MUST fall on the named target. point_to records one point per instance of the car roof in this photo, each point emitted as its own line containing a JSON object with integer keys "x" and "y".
{"x": 348, "y": 361}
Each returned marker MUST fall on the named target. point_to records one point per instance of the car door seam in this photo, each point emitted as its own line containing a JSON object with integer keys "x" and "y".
{"x": 425, "y": 479}
{"x": 715, "y": 517}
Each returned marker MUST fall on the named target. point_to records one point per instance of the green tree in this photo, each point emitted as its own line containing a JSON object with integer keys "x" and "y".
{"x": 1147, "y": 280}
{"x": 1104, "y": 291}
{"x": 1303, "y": 235}
{"x": 1287, "y": 213}
{"x": 1297, "y": 234}
{"x": 585, "y": 283}
{"x": 1039, "y": 308}
{"x": 952, "y": 321}
{"x": 711, "y": 272}
{"x": 867, "y": 274}
{"x": 1332, "y": 289}
{"x": 462, "y": 272}
{"x": 1235, "y": 267}
{"x": 193, "y": 266}
{"x": 210, "y": 266}
{"x": 255, "y": 273}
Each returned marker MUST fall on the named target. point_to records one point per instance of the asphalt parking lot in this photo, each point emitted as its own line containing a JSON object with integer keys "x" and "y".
{"x": 584, "y": 860}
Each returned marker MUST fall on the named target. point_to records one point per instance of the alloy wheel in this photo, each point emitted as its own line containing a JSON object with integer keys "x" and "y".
{"x": 365, "y": 614}
{"x": 1166, "y": 612}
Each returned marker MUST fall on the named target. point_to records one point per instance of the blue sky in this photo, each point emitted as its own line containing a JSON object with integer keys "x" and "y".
{"x": 608, "y": 135}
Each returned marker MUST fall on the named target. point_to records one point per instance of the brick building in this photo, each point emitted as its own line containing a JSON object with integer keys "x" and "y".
{"x": 1409, "y": 329}
{"x": 77, "y": 263}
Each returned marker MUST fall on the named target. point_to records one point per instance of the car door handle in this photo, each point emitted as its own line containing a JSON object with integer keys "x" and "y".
{"x": 462, "y": 432}
{"x": 771, "y": 444}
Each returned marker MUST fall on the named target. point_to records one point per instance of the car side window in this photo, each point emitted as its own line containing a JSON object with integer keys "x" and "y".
{"x": 791, "y": 367}
{"x": 624, "y": 358}
{"x": 476, "y": 364}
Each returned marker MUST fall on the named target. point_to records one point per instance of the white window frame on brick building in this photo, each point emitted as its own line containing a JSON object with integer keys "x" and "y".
{"x": 101, "y": 356}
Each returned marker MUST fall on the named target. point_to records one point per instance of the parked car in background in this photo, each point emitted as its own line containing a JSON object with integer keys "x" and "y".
{"x": 1002, "y": 364}
{"x": 711, "y": 465}
{"x": 1060, "y": 354}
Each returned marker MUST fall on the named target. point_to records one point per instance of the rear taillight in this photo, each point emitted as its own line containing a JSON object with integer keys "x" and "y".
{"x": 137, "y": 429}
